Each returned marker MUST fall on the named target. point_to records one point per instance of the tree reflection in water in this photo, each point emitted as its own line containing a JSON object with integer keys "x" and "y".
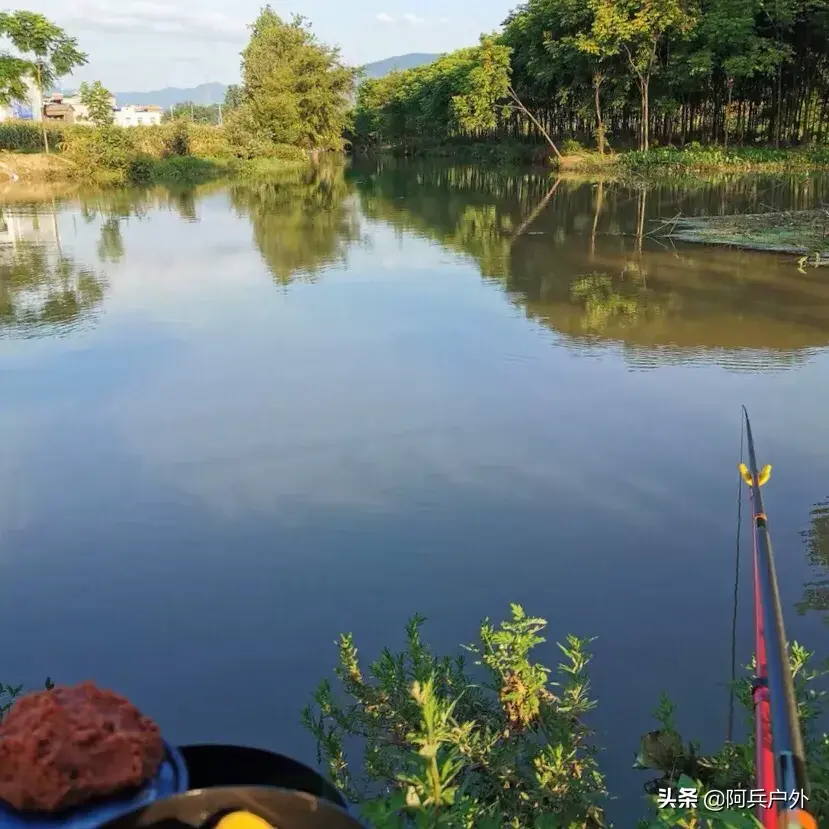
{"x": 42, "y": 290}
{"x": 577, "y": 258}
{"x": 816, "y": 593}
{"x": 303, "y": 221}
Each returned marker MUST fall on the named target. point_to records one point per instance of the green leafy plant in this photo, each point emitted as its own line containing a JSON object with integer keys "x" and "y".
{"x": 99, "y": 103}
{"x": 444, "y": 750}
{"x": 731, "y": 767}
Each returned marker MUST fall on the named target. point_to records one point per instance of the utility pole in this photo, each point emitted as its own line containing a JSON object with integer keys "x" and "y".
{"x": 221, "y": 123}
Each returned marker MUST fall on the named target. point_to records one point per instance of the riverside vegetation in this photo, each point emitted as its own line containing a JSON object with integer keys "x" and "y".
{"x": 291, "y": 107}
{"x": 718, "y": 84}
{"x": 641, "y": 72}
{"x": 501, "y": 745}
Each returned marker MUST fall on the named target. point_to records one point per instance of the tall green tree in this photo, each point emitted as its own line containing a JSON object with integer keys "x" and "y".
{"x": 296, "y": 89}
{"x": 234, "y": 95}
{"x": 98, "y": 102}
{"x": 487, "y": 82}
{"x": 48, "y": 52}
{"x": 639, "y": 29}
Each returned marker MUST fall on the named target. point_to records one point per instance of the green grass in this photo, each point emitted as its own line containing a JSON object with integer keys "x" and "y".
{"x": 667, "y": 161}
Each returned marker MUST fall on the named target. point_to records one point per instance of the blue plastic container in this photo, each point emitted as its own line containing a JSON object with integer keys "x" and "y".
{"x": 171, "y": 779}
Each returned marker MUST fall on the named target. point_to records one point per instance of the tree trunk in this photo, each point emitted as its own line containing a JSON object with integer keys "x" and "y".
{"x": 727, "y": 118}
{"x": 43, "y": 132}
{"x": 645, "y": 114}
{"x": 535, "y": 121}
{"x": 597, "y": 82}
{"x": 778, "y": 112}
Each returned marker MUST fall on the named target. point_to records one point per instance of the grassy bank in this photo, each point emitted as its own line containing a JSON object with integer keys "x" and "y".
{"x": 169, "y": 153}
{"x": 662, "y": 162}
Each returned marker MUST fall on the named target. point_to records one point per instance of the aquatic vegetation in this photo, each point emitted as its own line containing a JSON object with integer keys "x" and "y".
{"x": 787, "y": 231}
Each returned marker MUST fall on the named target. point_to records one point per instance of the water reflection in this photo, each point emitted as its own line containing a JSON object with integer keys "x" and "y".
{"x": 578, "y": 257}
{"x": 43, "y": 290}
{"x": 398, "y": 421}
{"x": 816, "y": 592}
{"x": 303, "y": 222}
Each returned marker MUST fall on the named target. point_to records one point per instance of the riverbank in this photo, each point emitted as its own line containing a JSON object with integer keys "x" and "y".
{"x": 176, "y": 153}
{"x": 658, "y": 163}
{"x": 56, "y": 169}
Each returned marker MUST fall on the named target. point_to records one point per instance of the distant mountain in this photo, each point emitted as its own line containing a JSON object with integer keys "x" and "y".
{"x": 214, "y": 93}
{"x": 205, "y": 93}
{"x": 382, "y": 67}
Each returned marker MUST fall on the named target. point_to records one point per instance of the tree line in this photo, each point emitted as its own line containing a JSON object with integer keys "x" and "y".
{"x": 624, "y": 72}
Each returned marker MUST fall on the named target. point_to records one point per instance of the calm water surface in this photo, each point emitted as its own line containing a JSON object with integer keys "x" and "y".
{"x": 238, "y": 421}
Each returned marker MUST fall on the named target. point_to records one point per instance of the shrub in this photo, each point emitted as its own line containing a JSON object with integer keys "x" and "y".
{"x": 446, "y": 752}
{"x": 209, "y": 141}
{"x": 186, "y": 169}
{"x": 486, "y": 755}
{"x": 141, "y": 170}
{"x": 571, "y": 147}
{"x": 177, "y": 139}
{"x": 150, "y": 140}
{"x": 111, "y": 149}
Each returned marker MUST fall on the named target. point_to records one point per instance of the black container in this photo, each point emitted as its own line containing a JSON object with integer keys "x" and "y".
{"x": 225, "y": 779}
{"x": 209, "y": 766}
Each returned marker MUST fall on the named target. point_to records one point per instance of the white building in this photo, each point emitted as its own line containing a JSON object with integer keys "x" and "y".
{"x": 135, "y": 116}
{"x": 29, "y": 109}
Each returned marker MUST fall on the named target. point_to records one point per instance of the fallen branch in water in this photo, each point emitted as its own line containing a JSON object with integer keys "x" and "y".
{"x": 801, "y": 232}
{"x": 672, "y": 222}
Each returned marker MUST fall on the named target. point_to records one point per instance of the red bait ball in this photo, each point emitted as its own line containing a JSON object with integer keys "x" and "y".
{"x": 69, "y": 745}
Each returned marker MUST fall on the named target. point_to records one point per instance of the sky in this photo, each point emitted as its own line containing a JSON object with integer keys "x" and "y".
{"x": 140, "y": 45}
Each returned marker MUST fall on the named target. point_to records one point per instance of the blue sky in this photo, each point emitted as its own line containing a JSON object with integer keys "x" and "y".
{"x": 148, "y": 44}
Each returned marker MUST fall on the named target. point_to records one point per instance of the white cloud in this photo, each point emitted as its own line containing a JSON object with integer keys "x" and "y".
{"x": 145, "y": 16}
{"x": 385, "y": 18}
{"x": 413, "y": 19}
{"x": 443, "y": 20}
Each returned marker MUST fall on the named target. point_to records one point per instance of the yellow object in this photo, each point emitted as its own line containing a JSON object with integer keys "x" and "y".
{"x": 243, "y": 820}
{"x": 762, "y": 477}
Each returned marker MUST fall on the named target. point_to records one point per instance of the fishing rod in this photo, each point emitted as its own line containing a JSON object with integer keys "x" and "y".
{"x": 779, "y": 753}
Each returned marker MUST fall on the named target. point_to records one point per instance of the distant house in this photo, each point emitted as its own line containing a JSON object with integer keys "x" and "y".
{"x": 58, "y": 109}
{"x": 137, "y": 115}
{"x": 68, "y": 109}
{"x": 29, "y": 109}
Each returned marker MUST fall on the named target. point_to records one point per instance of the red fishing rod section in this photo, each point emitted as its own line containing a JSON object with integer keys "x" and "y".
{"x": 779, "y": 753}
{"x": 763, "y": 747}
